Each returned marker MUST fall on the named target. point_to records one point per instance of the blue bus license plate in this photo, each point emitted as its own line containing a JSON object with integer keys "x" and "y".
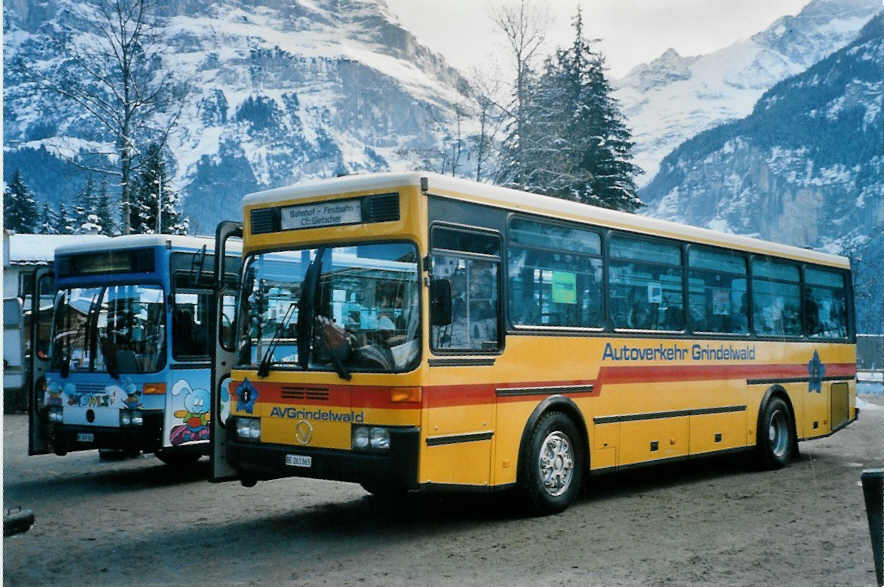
{"x": 299, "y": 461}
{"x": 85, "y": 437}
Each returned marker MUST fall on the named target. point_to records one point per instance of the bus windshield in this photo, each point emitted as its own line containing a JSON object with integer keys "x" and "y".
{"x": 357, "y": 306}
{"x": 113, "y": 329}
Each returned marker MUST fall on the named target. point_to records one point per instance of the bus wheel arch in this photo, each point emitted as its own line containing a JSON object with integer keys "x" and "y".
{"x": 776, "y": 432}
{"x": 556, "y": 421}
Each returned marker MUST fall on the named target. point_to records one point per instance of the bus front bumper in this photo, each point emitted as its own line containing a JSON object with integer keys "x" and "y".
{"x": 69, "y": 437}
{"x": 395, "y": 467}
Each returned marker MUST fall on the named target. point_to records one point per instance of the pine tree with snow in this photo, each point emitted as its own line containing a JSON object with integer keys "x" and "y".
{"x": 48, "y": 220}
{"x": 577, "y": 146}
{"x": 19, "y": 207}
{"x": 84, "y": 207}
{"x": 153, "y": 193}
{"x": 65, "y": 222}
{"x": 103, "y": 211}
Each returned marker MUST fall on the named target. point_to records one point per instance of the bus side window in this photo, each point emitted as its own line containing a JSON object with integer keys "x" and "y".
{"x": 190, "y": 325}
{"x": 471, "y": 263}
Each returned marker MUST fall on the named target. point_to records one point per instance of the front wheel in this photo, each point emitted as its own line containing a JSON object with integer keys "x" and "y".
{"x": 776, "y": 439}
{"x": 554, "y": 467}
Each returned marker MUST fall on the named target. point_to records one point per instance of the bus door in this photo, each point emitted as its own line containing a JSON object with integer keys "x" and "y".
{"x": 40, "y": 299}
{"x": 188, "y": 396}
{"x": 223, "y": 343}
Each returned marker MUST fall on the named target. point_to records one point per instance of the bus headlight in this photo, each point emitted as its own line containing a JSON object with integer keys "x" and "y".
{"x": 131, "y": 418}
{"x": 380, "y": 438}
{"x": 55, "y": 414}
{"x": 360, "y": 438}
{"x": 374, "y": 437}
{"x": 248, "y": 429}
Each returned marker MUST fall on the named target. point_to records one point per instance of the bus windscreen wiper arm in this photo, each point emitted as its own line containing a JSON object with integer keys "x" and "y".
{"x": 267, "y": 359}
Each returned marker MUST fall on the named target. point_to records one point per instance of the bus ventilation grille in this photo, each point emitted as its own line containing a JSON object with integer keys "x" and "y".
{"x": 319, "y": 394}
{"x": 262, "y": 221}
{"x": 381, "y": 208}
{"x": 84, "y": 388}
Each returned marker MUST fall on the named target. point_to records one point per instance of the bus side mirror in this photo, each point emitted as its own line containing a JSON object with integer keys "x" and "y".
{"x": 440, "y": 302}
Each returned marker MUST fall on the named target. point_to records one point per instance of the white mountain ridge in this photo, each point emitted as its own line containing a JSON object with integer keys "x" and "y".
{"x": 673, "y": 98}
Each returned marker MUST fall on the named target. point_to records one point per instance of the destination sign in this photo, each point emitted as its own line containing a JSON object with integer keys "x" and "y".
{"x": 324, "y": 214}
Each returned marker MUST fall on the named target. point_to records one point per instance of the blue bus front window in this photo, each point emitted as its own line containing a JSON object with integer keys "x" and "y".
{"x": 72, "y": 327}
{"x": 131, "y": 329}
{"x": 118, "y": 328}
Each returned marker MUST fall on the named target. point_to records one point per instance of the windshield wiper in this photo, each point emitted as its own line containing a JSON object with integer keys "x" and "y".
{"x": 267, "y": 359}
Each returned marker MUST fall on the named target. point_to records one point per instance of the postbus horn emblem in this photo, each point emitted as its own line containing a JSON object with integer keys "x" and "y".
{"x": 303, "y": 432}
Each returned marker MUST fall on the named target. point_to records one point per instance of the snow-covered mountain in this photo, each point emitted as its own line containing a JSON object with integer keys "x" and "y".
{"x": 280, "y": 91}
{"x": 673, "y": 98}
{"x": 805, "y": 168}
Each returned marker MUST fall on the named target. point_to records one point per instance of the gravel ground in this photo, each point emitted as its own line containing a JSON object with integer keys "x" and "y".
{"x": 716, "y": 521}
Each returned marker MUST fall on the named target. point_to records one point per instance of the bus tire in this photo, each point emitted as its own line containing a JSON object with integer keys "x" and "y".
{"x": 775, "y": 445}
{"x": 553, "y": 470}
{"x": 178, "y": 459}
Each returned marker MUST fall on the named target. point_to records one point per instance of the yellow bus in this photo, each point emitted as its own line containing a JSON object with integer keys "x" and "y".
{"x": 414, "y": 331}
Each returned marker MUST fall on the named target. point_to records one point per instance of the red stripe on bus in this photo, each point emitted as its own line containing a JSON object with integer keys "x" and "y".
{"x": 438, "y": 396}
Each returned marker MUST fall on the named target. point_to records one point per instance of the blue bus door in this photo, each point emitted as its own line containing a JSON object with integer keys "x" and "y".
{"x": 39, "y": 299}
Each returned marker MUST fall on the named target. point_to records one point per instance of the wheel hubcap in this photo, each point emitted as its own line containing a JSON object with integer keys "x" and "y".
{"x": 556, "y": 463}
{"x": 778, "y": 433}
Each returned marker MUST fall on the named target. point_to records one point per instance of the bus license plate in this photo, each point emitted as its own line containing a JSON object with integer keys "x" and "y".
{"x": 85, "y": 437}
{"x": 299, "y": 461}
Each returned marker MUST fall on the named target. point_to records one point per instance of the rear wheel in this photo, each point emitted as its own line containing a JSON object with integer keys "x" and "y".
{"x": 555, "y": 463}
{"x": 776, "y": 438}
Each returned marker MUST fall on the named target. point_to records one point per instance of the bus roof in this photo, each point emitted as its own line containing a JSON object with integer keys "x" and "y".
{"x": 134, "y": 241}
{"x": 511, "y": 199}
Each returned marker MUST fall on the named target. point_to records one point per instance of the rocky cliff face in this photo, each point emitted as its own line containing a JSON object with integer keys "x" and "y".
{"x": 805, "y": 168}
{"x": 280, "y": 91}
{"x": 673, "y": 98}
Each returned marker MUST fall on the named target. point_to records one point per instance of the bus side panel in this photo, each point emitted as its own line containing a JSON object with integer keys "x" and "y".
{"x": 512, "y": 416}
{"x": 457, "y": 427}
{"x": 187, "y": 407}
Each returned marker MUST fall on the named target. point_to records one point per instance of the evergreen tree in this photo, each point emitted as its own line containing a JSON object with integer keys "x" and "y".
{"x": 152, "y": 193}
{"x": 103, "y": 211}
{"x": 577, "y": 146}
{"x": 65, "y": 223}
{"x": 48, "y": 220}
{"x": 19, "y": 207}
{"x": 84, "y": 208}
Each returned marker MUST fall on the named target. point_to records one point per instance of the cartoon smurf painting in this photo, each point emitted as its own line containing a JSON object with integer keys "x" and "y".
{"x": 195, "y": 416}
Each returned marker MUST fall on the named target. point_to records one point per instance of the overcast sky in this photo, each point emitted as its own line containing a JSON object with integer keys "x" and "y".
{"x": 632, "y": 31}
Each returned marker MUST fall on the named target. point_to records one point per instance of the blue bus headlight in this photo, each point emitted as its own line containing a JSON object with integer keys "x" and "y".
{"x": 248, "y": 429}
{"x": 131, "y": 418}
{"x": 55, "y": 414}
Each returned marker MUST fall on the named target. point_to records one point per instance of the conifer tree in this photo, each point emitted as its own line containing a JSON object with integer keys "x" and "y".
{"x": 19, "y": 207}
{"x": 576, "y": 145}
{"x": 84, "y": 207}
{"x": 64, "y": 222}
{"x": 48, "y": 220}
{"x": 103, "y": 211}
{"x": 152, "y": 194}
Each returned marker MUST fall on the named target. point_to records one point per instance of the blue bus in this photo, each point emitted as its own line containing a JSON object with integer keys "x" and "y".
{"x": 128, "y": 368}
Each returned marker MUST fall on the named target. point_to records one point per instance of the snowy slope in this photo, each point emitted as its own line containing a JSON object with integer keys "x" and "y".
{"x": 805, "y": 168}
{"x": 673, "y": 98}
{"x": 279, "y": 91}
